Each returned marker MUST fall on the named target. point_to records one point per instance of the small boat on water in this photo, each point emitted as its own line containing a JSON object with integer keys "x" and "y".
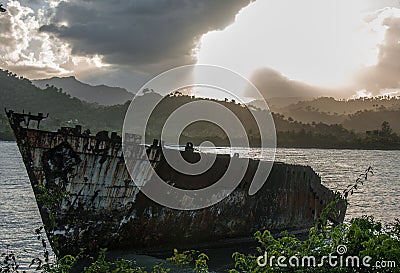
{"x": 88, "y": 199}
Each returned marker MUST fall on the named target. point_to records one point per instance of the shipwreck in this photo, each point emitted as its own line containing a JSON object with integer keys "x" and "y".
{"x": 87, "y": 199}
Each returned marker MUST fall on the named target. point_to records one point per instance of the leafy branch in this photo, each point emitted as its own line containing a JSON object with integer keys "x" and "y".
{"x": 359, "y": 181}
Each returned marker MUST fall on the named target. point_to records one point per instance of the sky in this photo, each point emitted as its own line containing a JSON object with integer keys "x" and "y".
{"x": 341, "y": 48}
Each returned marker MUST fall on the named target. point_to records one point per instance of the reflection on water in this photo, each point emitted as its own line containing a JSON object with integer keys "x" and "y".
{"x": 379, "y": 197}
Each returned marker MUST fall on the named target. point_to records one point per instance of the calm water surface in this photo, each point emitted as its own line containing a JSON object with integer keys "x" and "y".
{"x": 380, "y": 196}
{"x": 19, "y": 215}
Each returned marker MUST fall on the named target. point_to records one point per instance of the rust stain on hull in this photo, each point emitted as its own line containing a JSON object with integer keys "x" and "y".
{"x": 87, "y": 199}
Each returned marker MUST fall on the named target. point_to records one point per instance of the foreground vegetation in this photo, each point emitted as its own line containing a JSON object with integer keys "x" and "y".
{"x": 362, "y": 237}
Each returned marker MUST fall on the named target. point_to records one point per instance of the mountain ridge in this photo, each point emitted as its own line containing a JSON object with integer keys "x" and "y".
{"x": 100, "y": 94}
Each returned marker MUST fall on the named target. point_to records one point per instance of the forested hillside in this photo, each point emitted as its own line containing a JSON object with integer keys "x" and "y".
{"x": 101, "y": 94}
{"x": 359, "y": 115}
{"x": 20, "y": 94}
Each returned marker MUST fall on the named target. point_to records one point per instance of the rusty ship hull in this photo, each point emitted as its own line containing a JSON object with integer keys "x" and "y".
{"x": 87, "y": 199}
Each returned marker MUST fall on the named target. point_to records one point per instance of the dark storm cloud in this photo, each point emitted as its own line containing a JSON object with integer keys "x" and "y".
{"x": 144, "y": 33}
{"x": 386, "y": 73}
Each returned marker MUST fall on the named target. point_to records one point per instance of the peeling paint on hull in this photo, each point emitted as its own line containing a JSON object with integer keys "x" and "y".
{"x": 87, "y": 198}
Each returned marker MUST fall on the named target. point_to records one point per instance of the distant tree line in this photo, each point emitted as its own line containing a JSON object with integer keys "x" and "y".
{"x": 19, "y": 94}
